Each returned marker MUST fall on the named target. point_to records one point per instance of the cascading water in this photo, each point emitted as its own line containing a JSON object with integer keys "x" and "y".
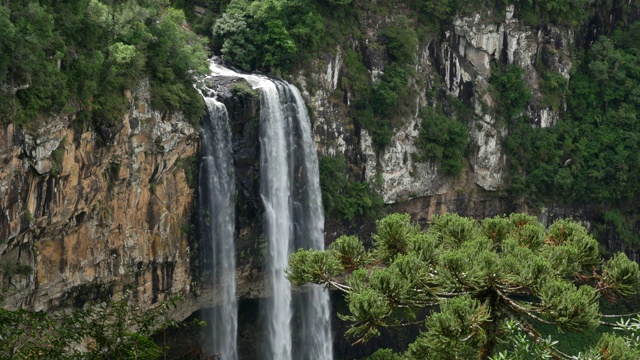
{"x": 217, "y": 186}
{"x": 290, "y": 192}
{"x": 316, "y": 324}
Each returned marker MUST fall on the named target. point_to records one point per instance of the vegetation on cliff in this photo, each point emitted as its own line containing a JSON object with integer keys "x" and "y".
{"x": 490, "y": 281}
{"x": 343, "y": 197}
{"x": 80, "y": 57}
{"x": 592, "y": 152}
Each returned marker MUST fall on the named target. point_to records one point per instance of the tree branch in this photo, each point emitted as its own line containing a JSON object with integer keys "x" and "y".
{"x": 514, "y": 305}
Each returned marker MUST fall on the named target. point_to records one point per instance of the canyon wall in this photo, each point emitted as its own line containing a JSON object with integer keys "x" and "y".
{"x": 84, "y": 215}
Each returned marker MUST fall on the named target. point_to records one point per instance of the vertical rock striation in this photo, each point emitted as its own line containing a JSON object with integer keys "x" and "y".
{"x": 456, "y": 64}
{"x": 86, "y": 219}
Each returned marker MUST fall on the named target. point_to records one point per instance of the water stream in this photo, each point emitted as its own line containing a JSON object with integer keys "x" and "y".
{"x": 217, "y": 186}
{"x": 293, "y": 218}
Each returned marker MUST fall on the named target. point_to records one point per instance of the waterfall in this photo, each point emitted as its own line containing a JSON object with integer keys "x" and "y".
{"x": 293, "y": 218}
{"x": 316, "y": 323}
{"x": 217, "y": 187}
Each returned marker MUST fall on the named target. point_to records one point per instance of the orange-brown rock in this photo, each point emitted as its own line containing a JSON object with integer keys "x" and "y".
{"x": 80, "y": 219}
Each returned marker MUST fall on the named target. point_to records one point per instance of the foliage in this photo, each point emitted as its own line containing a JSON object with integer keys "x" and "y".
{"x": 591, "y": 153}
{"x": 506, "y": 271}
{"x": 511, "y": 93}
{"x": 243, "y": 89}
{"x": 561, "y": 12}
{"x": 281, "y": 32}
{"x": 623, "y": 225}
{"x": 189, "y": 165}
{"x": 375, "y": 108}
{"x": 444, "y": 140}
{"x": 553, "y": 88}
{"x": 57, "y": 156}
{"x": 355, "y": 75}
{"x": 82, "y": 56}
{"x": 110, "y": 330}
{"x": 342, "y": 197}
{"x": 623, "y": 345}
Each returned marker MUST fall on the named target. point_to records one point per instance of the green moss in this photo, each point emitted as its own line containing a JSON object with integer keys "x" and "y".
{"x": 241, "y": 88}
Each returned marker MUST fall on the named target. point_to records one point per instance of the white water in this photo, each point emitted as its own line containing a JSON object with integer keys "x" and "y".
{"x": 217, "y": 186}
{"x": 316, "y": 315}
{"x": 290, "y": 192}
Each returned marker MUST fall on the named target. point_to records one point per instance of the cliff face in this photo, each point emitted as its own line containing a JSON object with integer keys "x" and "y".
{"x": 83, "y": 215}
{"x": 81, "y": 218}
{"x": 457, "y": 63}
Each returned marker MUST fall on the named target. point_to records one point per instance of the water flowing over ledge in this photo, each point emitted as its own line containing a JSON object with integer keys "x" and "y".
{"x": 217, "y": 187}
{"x": 293, "y": 218}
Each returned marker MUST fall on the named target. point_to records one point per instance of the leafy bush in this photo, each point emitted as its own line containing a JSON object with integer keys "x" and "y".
{"x": 243, "y": 89}
{"x": 102, "y": 331}
{"x": 342, "y": 197}
{"x": 443, "y": 139}
{"x": 553, "y": 87}
{"x": 510, "y": 92}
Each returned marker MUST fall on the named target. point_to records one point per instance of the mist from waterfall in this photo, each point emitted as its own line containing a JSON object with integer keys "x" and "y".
{"x": 293, "y": 218}
{"x": 217, "y": 188}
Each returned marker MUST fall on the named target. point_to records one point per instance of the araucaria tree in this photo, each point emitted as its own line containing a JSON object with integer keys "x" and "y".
{"x": 476, "y": 277}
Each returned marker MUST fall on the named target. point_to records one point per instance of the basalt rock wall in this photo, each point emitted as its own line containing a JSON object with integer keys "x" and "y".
{"x": 83, "y": 218}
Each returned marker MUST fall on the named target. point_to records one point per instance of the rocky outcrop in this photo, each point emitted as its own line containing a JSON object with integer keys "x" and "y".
{"x": 80, "y": 219}
{"x": 458, "y": 64}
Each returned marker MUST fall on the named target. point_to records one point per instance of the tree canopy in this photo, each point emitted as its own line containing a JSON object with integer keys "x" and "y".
{"x": 80, "y": 56}
{"x": 476, "y": 277}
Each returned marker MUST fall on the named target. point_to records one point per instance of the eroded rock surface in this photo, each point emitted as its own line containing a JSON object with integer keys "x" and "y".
{"x": 458, "y": 64}
{"x": 80, "y": 219}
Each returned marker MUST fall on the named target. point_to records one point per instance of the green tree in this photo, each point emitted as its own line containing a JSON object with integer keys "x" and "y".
{"x": 111, "y": 330}
{"x": 479, "y": 275}
{"x": 277, "y": 30}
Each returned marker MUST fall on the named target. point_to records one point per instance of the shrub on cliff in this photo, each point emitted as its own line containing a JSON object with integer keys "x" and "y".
{"x": 344, "y": 198}
{"x": 444, "y": 140}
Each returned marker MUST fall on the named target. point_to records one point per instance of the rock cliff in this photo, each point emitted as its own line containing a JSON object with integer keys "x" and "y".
{"x": 456, "y": 63}
{"x": 84, "y": 215}
{"x": 81, "y": 218}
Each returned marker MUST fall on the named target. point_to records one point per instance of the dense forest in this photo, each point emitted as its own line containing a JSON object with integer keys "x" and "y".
{"x": 79, "y": 57}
